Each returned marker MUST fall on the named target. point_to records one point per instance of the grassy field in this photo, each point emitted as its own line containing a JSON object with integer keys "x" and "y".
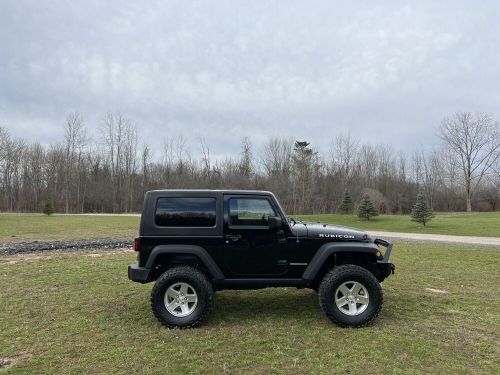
{"x": 32, "y": 227}
{"x": 78, "y": 313}
{"x": 460, "y": 224}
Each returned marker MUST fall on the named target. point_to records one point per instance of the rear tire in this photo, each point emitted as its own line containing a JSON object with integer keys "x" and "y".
{"x": 182, "y": 297}
{"x": 350, "y": 296}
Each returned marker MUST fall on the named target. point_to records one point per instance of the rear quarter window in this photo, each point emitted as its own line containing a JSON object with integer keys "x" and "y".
{"x": 198, "y": 212}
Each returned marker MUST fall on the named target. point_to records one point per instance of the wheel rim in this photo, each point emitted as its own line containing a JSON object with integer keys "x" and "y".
{"x": 180, "y": 299}
{"x": 352, "y": 298}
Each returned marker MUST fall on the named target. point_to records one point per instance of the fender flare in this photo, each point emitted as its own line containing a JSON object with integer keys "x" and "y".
{"x": 326, "y": 250}
{"x": 198, "y": 251}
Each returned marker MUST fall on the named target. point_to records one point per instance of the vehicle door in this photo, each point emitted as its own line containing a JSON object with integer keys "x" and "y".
{"x": 251, "y": 247}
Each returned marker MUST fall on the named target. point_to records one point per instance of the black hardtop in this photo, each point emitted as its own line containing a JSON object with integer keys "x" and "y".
{"x": 223, "y": 191}
{"x": 149, "y": 228}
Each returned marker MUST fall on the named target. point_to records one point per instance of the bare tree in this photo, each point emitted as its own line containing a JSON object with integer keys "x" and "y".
{"x": 205, "y": 158}
{"x": 183, "y": 159}
{"x": 75, "y": 139}
{"x": 130, "y": 162}
{"x": 368, "y": 163}
{"x": 120, "y": 145}
{"x": 474, "y": 140}
{"x": 276, "y": 161}
{"x": 343, "y": 151}
{"x": 428, "y": 172}
{"x": 491, "y": 190}
{"x": 12, "y": 153}
{"x": 246, "y": 158}
{"x": 277, "y": 156}
{"x": 146, "y": 167}
{"x": 81, "y": 176}
{"x": 305, "y": 166}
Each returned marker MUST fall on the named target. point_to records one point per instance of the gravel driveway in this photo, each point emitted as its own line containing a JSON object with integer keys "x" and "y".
{"x": 418, "y": 237}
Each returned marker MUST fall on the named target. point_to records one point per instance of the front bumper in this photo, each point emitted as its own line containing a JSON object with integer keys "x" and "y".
{"x": 384, "y": 270}
{"x": 139, "y": 274}
{"x": 388, "y": 247}
{"x": 385, "y": 267}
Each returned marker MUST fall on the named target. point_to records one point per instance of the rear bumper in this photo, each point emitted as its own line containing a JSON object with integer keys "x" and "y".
{"x": 139, "y": 274}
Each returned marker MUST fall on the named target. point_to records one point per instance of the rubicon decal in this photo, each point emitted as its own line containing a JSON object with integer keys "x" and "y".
{"x": 328, "y": 235}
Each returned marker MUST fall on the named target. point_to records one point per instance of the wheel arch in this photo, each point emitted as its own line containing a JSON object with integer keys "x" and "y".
{"x": 165, "y": 253}
{"x": 333, "y": 254}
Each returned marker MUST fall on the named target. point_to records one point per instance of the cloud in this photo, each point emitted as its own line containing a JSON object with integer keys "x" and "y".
{"x": 386, "y": 71}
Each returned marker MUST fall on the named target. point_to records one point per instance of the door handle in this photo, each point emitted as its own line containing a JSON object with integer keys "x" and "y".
{"x": 233, "y": 237}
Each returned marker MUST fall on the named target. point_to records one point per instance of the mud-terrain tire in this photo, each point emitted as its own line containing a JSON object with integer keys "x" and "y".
{"x": 350, "y": 296}
{"x": 182, "y": 297}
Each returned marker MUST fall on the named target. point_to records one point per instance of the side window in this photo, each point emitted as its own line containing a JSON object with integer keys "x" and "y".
{"x": 185, "y": 212}
{"x": 250, "y": 211}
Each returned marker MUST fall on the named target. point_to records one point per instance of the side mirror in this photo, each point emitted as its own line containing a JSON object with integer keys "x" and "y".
{"x": 274, "y": 222}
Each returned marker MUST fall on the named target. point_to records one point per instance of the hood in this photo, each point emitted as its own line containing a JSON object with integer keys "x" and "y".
{"x": 329, "y": 232}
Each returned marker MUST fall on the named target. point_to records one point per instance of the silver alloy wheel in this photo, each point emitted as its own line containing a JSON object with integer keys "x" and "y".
{"x": 180, "y": 299}
{"x": 352, "y": 298}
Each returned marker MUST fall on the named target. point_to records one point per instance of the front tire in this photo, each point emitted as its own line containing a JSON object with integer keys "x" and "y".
{"x": 350, "y": 296}
{"x": 182, "y": 297}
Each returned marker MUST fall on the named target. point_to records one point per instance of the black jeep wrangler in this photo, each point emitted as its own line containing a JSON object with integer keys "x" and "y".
{"x": 195, "y": 242}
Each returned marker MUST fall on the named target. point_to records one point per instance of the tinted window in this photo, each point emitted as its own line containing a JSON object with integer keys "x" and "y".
{"x": 185, "y": 212}
{"x": 250, "y": 211}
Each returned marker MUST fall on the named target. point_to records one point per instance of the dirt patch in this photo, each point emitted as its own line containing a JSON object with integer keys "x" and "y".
{"x": 22, "y": 257}
{"x": 103, "y": 254}
{"x": 440, "y": 291}
{"x": 7, "y": 362}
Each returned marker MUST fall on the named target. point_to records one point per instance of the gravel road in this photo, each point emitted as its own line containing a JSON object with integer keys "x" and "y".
{"x": 440, "y": 238}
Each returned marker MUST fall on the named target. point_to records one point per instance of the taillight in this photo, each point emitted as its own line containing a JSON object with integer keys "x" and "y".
{"x": 137, "y": 244}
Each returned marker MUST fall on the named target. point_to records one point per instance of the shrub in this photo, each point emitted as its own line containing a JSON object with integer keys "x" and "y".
{"x": 366, "y": 209}
{"x": 421, "y": 213}
{"x": 347, "y": 204}
{"x": 48, "y": 209}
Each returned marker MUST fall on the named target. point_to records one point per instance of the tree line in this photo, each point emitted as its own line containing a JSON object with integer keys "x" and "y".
{"x": 111, "y": 171}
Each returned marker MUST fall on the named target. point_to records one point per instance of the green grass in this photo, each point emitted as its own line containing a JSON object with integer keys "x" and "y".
{"x": 76, "y": 313}
{"x": 33, "y": 227}
{"x": 461, "y": 224}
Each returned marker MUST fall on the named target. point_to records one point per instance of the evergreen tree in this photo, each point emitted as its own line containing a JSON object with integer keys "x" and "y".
{"x": 347, "y": 204}
{"x": 366, "y": 209}
{"x": 48, "y": 209}
{"x": 421, "y": 213}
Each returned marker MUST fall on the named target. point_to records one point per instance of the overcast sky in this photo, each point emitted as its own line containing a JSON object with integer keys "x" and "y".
{"x": 387, "y": 71}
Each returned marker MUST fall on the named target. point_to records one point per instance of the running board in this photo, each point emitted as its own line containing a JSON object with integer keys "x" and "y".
{"x": 258, "y": 283}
